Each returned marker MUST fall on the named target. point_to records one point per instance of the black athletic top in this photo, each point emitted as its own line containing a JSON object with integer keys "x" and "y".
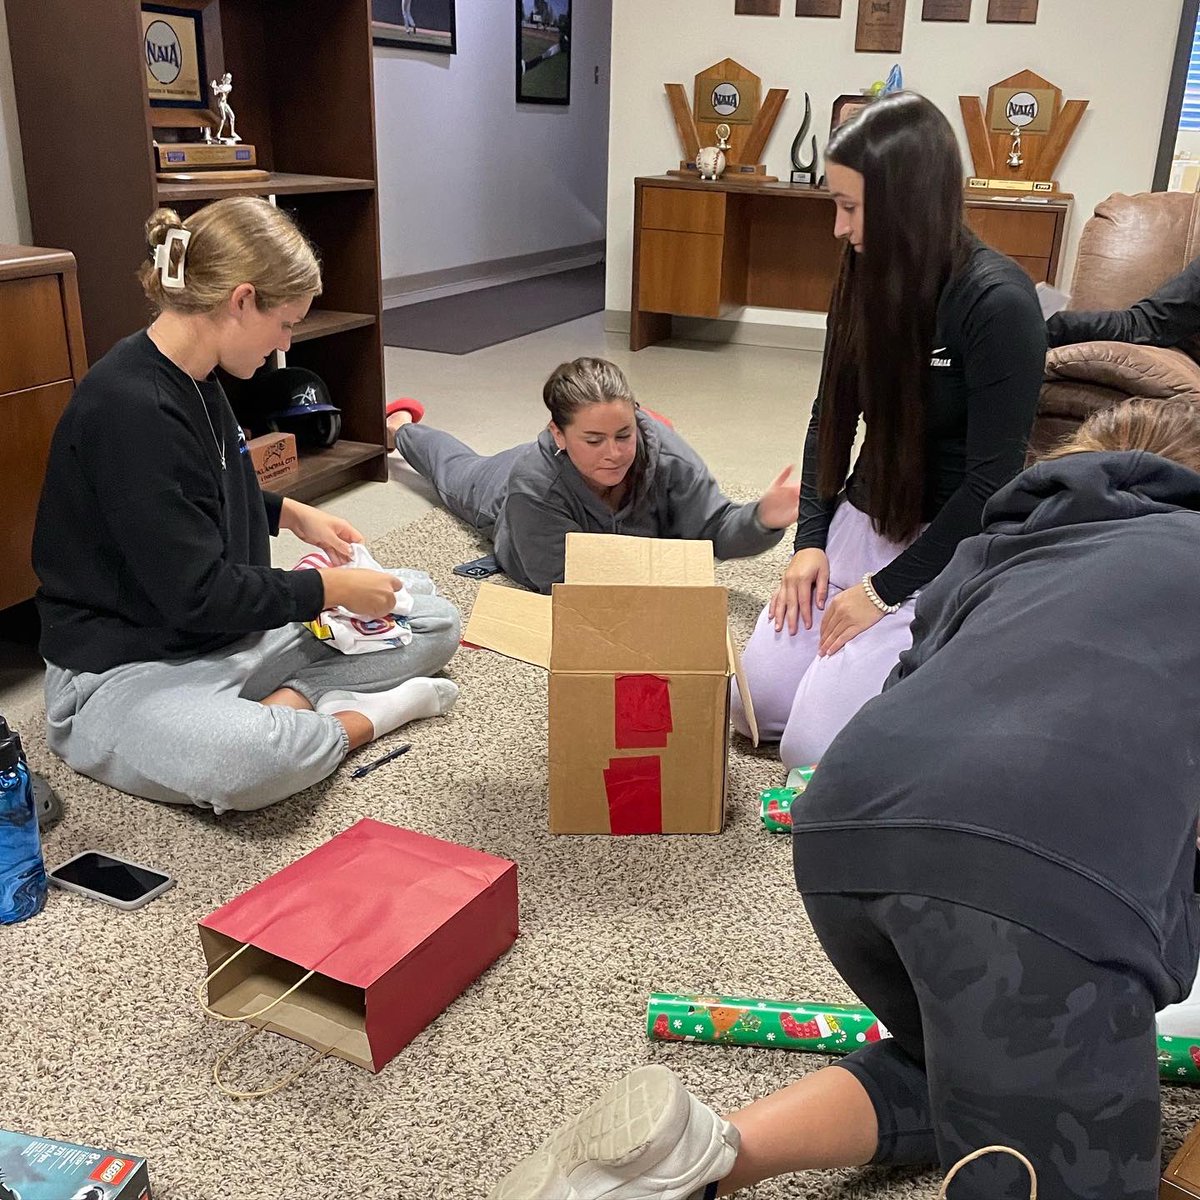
{"x": 146, "y": 549}
{"x": 985, "y": 375}
{"x": 1167, "y": 318}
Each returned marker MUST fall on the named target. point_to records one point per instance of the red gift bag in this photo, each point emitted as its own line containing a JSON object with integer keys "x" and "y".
{"x": 357, "y": 946}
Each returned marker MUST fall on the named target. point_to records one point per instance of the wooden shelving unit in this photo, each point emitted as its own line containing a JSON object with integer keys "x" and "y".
{"x": 303, "y": 93}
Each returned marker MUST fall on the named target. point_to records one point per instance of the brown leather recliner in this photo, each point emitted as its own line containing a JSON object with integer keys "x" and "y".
{"x": 1128, "y": 250}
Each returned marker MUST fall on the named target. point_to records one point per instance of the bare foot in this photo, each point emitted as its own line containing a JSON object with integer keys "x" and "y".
{"x": 403, "y": 417}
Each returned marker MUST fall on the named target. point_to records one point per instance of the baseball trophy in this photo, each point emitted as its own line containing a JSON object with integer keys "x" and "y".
{"x": 804, "y": 172}
{"x": 710, "y": 160}
{"x": 726, "y": 95}
{"x": 1019, "y": 142}
{"x": 185, "y": 151}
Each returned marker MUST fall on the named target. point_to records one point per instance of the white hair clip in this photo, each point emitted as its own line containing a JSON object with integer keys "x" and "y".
{"x": 172, "y": 277}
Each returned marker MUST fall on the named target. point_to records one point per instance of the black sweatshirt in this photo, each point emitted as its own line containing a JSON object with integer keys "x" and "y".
{"x": 985, "y": 376}
{"x": 146, "y": 549}
{"x": 1036, "y": 754}
{"x": 1167, "y": 318}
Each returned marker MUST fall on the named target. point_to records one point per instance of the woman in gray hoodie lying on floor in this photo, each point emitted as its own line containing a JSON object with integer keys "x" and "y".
{"x": 602, "y": 465}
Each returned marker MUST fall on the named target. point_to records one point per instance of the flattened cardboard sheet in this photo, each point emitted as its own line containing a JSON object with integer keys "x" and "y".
{"x": 512, "y": 622}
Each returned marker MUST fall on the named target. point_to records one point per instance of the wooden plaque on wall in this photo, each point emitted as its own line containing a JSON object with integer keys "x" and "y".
{"x": 756, "y": 8}
{"x": 1013, "y": 12}
{"x": 946, "y": 10}
{"x": 818, "y": 8}
{"x": 880, "y": 26}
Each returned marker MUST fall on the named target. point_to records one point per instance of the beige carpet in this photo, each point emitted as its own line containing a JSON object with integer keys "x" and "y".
{"x": 103, "y": 1041}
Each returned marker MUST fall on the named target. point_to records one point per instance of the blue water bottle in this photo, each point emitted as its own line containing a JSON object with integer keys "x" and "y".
{"x": 22, "y": 871}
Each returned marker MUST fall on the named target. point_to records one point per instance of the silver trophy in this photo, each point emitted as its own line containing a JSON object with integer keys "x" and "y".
{"x": 221, "y": 90}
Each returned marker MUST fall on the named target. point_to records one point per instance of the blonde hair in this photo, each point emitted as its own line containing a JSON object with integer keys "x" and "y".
{"x": 1168, "y": 428}
{"x": 241, "y": 239}
{"x": 573, "y": 386}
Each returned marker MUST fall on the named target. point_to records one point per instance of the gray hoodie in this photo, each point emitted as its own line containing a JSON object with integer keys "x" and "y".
{"x": 1036, "y": 754}
{"x": 672, "y": 495}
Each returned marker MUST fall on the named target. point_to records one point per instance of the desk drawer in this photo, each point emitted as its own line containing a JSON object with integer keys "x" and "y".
{"x": 28, "y": 419}
{"x": 1028, "y": 233}
{"x": 683, "y": 210}
{"x": 33, "y": 335}
{"x": 681, "y": 273}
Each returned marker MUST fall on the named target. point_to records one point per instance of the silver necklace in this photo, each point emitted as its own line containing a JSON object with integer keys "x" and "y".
{"x": 220, "y": 445}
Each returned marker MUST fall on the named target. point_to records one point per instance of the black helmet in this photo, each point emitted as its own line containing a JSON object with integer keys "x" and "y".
{"x": 297, "y": 401}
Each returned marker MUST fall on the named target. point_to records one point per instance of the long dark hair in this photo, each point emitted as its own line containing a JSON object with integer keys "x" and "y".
{"x": 882, "y": 318}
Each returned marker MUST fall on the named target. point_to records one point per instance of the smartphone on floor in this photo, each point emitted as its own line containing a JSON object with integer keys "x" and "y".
{"x": 110, "y": 879}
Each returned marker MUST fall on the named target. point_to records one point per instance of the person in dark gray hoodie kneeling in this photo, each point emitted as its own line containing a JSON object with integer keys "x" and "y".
{"x": 998, "y": 855}
{"x": 602, "y": 465}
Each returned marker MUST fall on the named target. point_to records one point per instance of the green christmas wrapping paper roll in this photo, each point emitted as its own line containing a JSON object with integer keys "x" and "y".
{"x": 776, "y": 803}
{"x": 736, "y": 1021}
{"x": 823, "y": 1028}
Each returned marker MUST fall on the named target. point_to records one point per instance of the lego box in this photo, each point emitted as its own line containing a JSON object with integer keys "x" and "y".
{"x": 33, "y": 1168}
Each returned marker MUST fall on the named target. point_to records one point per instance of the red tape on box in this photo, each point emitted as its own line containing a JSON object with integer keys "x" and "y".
{"x": 634, "y": 790}
{"x": 642, "y": 711}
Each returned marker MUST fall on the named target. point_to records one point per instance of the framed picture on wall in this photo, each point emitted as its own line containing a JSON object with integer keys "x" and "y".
{"x": 414, "y": 24}
{"x": 543, "y": 51}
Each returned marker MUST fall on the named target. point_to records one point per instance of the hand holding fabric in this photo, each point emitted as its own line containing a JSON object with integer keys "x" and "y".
{"x": 331, "y": 534}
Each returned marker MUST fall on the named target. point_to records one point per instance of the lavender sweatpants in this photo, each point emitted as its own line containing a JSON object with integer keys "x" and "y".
{"x": 802, "y": 700}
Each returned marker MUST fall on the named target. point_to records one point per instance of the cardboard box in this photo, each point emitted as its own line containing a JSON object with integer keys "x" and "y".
{"x": 274, "y": 456}
{"x": 640, "y": 658}
{"x": 42, "y": 1169}
{"x": 1181, "y": 1180}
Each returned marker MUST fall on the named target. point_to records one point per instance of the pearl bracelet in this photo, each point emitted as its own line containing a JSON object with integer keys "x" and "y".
{"x": 875, "y": 598}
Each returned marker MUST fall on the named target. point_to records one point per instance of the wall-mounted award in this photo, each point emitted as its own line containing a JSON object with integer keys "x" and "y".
{"x": 726, "y": 94}
{"x": 1017, "y": 144}
{"x": 818, "y": 8}
{"x": 756, "y": 8}
{"x": 173, "y": 48}
{"x": 946, "y": 10}
{"x": 1013, "y": 12}
{"x": 880, "y": 26}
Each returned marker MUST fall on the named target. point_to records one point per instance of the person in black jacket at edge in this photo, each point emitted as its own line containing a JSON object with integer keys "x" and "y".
{"x": 998, "y": 854}
{"x": 1166, "y": 318}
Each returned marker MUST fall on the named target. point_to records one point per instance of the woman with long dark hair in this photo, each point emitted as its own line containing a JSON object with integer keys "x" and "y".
{"x": 938, "y": 344}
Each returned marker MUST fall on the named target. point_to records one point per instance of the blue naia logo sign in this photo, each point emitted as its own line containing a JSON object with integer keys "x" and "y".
{"x": 163, "y": 53}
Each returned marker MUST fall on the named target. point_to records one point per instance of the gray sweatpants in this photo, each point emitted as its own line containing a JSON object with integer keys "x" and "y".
{"x": 472, "y": 486}
{"x": 999, "y": 1037}
{"x": 193, "y": 732}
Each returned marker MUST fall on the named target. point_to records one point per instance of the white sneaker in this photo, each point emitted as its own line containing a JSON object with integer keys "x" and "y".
{"x": 646, "y": 1138}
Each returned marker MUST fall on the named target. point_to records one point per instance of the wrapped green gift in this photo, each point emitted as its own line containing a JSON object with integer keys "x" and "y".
{"x": 776, "y": 803}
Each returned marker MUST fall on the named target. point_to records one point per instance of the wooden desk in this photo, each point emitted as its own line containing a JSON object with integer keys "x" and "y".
{"x": 702, "y": 248}
{"x": 41, "y": 360}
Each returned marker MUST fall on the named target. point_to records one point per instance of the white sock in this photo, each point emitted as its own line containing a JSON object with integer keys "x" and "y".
{"x": 412, "y": 700}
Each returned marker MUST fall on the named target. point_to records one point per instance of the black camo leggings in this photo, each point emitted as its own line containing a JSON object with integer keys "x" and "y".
{"x": 999, "y": 1036}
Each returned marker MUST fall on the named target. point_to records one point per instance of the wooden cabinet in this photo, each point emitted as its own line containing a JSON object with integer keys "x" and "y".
{"x": 701, "y": 248}
{"x": 41, "y": 360}
{"x": 302, "y": 75}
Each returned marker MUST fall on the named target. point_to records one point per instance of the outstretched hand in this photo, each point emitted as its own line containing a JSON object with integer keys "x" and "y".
{"x": 780, "y": 503}
{"x": 321, "y": 529}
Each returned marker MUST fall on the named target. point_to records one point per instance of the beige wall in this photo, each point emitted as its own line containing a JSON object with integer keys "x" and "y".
{"x": 1091, "y": 49}
{"x": 14, "y": 215}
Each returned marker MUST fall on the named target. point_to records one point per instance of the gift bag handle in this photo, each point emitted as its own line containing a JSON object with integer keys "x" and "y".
{"x": 242, "y": 1016}
{"x": 962, "y": 1162}
{"x": 291, "y": 1077}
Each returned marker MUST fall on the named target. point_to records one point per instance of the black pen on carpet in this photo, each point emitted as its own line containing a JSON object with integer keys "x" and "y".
{"x": 367, "y": 768}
